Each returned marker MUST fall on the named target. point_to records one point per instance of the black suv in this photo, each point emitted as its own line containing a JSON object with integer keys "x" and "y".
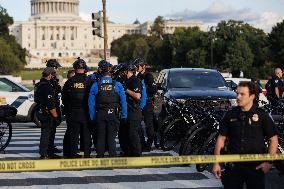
{"x": 192, "y": 83}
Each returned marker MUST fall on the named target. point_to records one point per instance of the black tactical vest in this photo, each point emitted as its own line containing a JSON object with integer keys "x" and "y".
{"x": 107, "y": 98}
{"x": 78, "y": 93}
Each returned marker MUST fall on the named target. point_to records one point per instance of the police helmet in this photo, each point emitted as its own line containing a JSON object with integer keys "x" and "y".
{"x": 80, "y": 64}
{"x": 103, "y": 64}
{"x": 131, "y": 67}
{"x": 53, "y": 63}
{"x": 139, "y": 61}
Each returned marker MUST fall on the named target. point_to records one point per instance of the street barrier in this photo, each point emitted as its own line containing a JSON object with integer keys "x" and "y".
{"x": 127, "y": 162}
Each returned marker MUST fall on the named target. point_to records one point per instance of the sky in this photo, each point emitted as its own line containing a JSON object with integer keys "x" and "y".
{"x": 263, "y": 14}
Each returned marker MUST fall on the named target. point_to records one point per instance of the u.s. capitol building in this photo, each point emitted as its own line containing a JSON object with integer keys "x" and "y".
{"x": 55, "y": 30}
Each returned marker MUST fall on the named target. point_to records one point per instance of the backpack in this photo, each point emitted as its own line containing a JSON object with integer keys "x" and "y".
{"x": 8, "y": 111}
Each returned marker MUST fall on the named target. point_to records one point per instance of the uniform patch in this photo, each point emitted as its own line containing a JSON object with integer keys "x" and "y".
{"x": 49, "y": 96}
{"x": 255, "y": 117}
{"x": 137, "y": 89}
{"x": 276, "y": 81}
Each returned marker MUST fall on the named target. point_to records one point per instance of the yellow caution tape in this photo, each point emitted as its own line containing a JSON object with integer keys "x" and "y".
{"x": 127, "y": 162}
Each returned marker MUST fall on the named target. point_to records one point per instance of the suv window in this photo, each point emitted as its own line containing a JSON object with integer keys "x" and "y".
{"x": 8, "y": 86}
{"x": 194, "y": 79}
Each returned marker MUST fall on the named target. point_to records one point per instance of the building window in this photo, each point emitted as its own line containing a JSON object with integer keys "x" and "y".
{"x": 38, "y": 54}
{"x": 67, "y": 54}
{"x": 57, "y": 36}
{"x": 72, "y": 45}
{"x": 60, "y": 54}
{"x": 86, "y": 37}
{"x": 94, "y": 46}
{"x": 51, "y": 37}
{"x": 45, "y": 54}
{"x": 43, "y": 37}
{"x": 72, "y": 36}
{"x": 74, "y": 54}
{"x": 17, "y": 31}
{"x": 85, "y": 45}
{"x": 63, "y": 44}
{"x": 29, "y": 36}
{"x": 52, "y": 54}
{"x": 63, "y": 38}
{"x": 29, "y": 29}
{"x": 81, "y": 54}
{"x": 43, "y": 45}
{"x": 29, "y": 45}
{"x": 100, "y": 46}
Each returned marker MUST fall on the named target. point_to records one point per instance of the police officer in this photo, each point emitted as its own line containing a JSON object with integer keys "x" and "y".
{"x": 97, "y": 75}
{"x": 148, "y": 110}
{"x": 75, "y": 100}
{"x": 104, "y": 99}
{"x": 277, "y": 86}
{"x": 246, "y": 127}
{"x": 46, "y": 113}
{"x": 53, "y": 63}
{"x": 132, "y": 88}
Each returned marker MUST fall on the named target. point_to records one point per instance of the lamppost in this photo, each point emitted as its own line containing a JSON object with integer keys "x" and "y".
{"x": 105, "y": 29}
{"x": 212, "y": 37}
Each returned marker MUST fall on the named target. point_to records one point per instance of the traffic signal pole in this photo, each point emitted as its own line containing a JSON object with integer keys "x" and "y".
{"x": 105, "y": 29}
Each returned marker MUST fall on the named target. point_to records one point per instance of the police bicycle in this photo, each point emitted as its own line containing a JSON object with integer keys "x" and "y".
{"x": 6, "y": 113}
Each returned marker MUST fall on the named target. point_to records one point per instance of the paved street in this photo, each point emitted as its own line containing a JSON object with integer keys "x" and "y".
{"x": 24, "y": 145}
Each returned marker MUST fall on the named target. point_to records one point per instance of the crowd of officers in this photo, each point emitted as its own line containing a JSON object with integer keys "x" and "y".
{"x": 97, "y": 107}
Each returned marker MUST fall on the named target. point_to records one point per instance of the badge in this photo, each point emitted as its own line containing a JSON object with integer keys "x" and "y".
{"x": 255, "y": 117}
{"x": 276, "y": 81}
{"x": 233, "y": 120}
{"x": 249, "y": 121}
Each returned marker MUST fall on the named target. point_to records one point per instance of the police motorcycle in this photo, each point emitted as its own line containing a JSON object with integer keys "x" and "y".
{"x": 6, "y": 113}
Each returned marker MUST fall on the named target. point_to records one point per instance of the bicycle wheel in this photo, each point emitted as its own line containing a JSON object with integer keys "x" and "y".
{"x": 207, "y": 149}
{"x": 193, "y": 143}
{"x": 173, "y": 135}
{"x": 5, "y": 134}
{"x": 162, "y": 125}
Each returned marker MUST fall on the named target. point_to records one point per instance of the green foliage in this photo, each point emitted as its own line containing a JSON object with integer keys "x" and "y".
{"x": 157, "y": 29}
{"x": 12, "y": 57}
{"x": 8, "y": 61}
{"x": 235, "y": 46}
{"x": 276, "y": 40}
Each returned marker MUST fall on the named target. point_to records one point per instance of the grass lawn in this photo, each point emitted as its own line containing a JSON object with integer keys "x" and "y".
{"x": 36, "y": 74}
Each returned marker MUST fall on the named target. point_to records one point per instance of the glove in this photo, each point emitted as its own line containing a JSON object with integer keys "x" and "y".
{"x": 57, "y": 121}
{"x": 123, "y": 121}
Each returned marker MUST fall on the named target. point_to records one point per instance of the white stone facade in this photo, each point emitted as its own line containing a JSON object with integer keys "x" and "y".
{"x": 55, "y": 30}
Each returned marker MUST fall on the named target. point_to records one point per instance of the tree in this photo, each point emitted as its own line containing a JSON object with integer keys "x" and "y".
{"x": 239, "y": 56}
{"x": 141, "y": 48}
{"x": 5, "y": 21}
{"x": 8, "y": 61}
{"x": 157, "y": 29}
{"x": 276, "y": 44}
{"x": 12, "y": 47}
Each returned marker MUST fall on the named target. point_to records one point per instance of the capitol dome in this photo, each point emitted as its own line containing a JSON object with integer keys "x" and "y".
{"x": 49, "y": 9}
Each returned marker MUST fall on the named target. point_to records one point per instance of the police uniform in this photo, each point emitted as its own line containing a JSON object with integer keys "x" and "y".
{"x": 134, "y": 118}
{"x": 57, "y": 91}
{"x": 276, "y": 82}
{"x": 246, "y": 133}
{"x": 148, "y": 110}
{"x": 75, "y": 99}
{"x": 105, "y": 98}
{"x": 45, "y": 98}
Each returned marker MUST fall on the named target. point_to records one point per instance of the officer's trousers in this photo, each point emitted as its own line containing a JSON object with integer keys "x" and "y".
{"x": 76, "y": 121}
{"x": 53, "y": 131}
{"x": 148, "y": 117}
{"x": 46, "y": 146}
{"x": 133, "y": 125}
{"x": 106, "y": 130}
{"x": 237, "y": 174}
